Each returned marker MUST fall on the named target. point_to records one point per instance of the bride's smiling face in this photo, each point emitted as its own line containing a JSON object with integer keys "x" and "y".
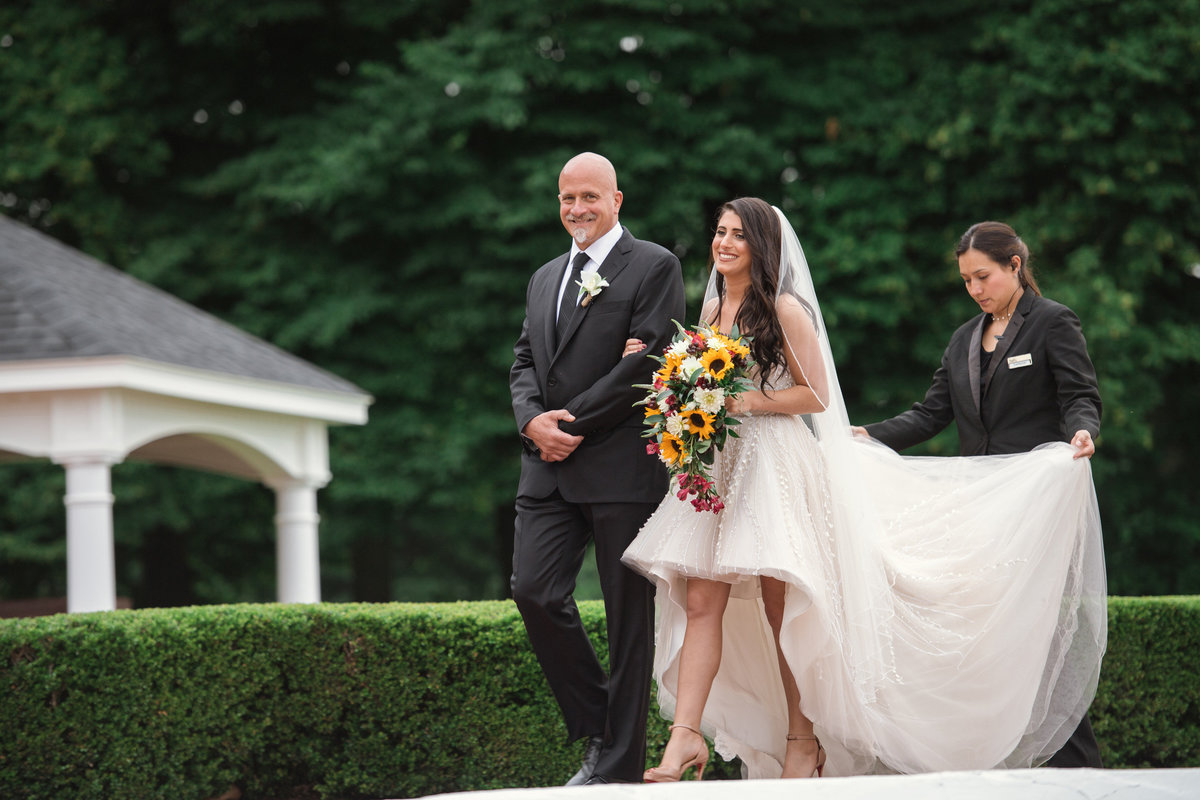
{"x": 730, "y": 251}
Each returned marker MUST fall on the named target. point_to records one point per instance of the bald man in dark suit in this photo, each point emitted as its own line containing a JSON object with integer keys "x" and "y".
{"x": 585, "y": 472}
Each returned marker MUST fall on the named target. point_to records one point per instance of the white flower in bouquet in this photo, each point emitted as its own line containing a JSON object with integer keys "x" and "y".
{"x": 674, "y": 424}
{"x": 690, "y": 365}
{"x": 710, "y": 400}
{"x": 679, "y": 347}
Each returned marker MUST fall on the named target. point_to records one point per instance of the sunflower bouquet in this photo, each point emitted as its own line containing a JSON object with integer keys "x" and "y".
{"x": 685, "y": 406}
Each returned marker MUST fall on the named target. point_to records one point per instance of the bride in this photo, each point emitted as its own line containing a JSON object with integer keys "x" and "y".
{"x": 851, "y": 610}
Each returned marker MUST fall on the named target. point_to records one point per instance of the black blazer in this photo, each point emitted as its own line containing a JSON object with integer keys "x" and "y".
{"x": 1040, "y": 386}
{"x": 585, "y": 374}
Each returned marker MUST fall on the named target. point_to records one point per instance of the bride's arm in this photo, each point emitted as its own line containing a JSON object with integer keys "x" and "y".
{"x": 803, "y": 354}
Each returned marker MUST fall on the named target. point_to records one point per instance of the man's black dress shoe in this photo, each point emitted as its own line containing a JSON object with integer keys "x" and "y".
{"x": 591, "y": 756}
{"x": 597, "y": 780}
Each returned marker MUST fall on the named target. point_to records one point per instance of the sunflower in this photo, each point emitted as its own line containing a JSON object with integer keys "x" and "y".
{"x": 737, "y": 347}
{"x": 699, "y": 422}
{"x": 671, "y": 450}
{"x": 717, "y": 362}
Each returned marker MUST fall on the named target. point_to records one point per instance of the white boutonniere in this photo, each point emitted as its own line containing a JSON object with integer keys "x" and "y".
{"x": 590, "y": 285}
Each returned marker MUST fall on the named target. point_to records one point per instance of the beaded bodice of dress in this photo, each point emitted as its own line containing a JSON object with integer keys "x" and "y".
{"x": 781, "y": 379}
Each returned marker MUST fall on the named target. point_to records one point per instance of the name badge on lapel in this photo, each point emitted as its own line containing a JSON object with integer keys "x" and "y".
{"x": 1016, "y": 362}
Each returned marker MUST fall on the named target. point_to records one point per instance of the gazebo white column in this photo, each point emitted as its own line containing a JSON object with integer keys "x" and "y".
{"x": 91, "y": 572}
{"x": 298, "y": 571}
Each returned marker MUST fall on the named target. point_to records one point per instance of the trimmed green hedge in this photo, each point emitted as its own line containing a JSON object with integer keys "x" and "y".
{"x": 1147, "y": 708}
{"x": 397, "y": 700}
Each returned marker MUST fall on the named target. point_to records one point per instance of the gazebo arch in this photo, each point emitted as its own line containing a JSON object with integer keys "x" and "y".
{"x": 97, "y": 368}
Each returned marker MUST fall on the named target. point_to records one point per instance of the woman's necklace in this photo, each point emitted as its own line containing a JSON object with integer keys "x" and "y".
{"x": 1008, "y": 316}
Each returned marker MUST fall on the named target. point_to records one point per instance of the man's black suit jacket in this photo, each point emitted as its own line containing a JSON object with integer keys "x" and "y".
{"x": 585, "y": 374}
{"x": 1041, "y": 386}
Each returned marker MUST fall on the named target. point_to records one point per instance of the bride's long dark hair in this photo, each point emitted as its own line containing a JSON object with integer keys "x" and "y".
{"x": 756, "y": 316}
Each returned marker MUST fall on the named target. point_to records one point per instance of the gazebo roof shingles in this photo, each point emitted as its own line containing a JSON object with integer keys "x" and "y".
{"x": 56, "y": 302}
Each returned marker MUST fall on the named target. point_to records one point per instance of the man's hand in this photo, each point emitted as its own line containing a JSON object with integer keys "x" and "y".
{"x": 554, "y": 444}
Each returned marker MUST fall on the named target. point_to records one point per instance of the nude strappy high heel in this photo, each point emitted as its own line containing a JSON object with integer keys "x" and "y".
{"x": 798, "y": 737}
{"x": 661, "y": 774}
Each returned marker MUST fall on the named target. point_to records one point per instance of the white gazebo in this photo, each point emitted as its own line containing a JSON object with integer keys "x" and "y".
{"x": 97, "y": 367}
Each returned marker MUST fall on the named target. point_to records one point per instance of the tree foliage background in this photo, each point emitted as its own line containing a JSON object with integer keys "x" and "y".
{"x": 370, "y": 185}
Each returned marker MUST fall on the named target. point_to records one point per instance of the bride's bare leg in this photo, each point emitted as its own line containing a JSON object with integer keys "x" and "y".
{"x": 699, "y": 658}
{"x": 804, "y": 755}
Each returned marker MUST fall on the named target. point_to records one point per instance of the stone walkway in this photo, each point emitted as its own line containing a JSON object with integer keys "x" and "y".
{"x": 1025, "y": 784}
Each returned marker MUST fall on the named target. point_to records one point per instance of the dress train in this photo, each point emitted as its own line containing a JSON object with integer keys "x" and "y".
{"x": 940, "y": 613}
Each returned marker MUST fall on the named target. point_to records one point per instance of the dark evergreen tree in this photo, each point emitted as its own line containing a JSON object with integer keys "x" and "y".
{"x": 370, "y": 186}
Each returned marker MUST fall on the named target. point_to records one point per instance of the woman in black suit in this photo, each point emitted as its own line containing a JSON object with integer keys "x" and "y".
{"x": 1016, "y": 376}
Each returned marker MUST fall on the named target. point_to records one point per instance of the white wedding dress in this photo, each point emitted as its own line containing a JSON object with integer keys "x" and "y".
{"x": 940, "y": 614}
